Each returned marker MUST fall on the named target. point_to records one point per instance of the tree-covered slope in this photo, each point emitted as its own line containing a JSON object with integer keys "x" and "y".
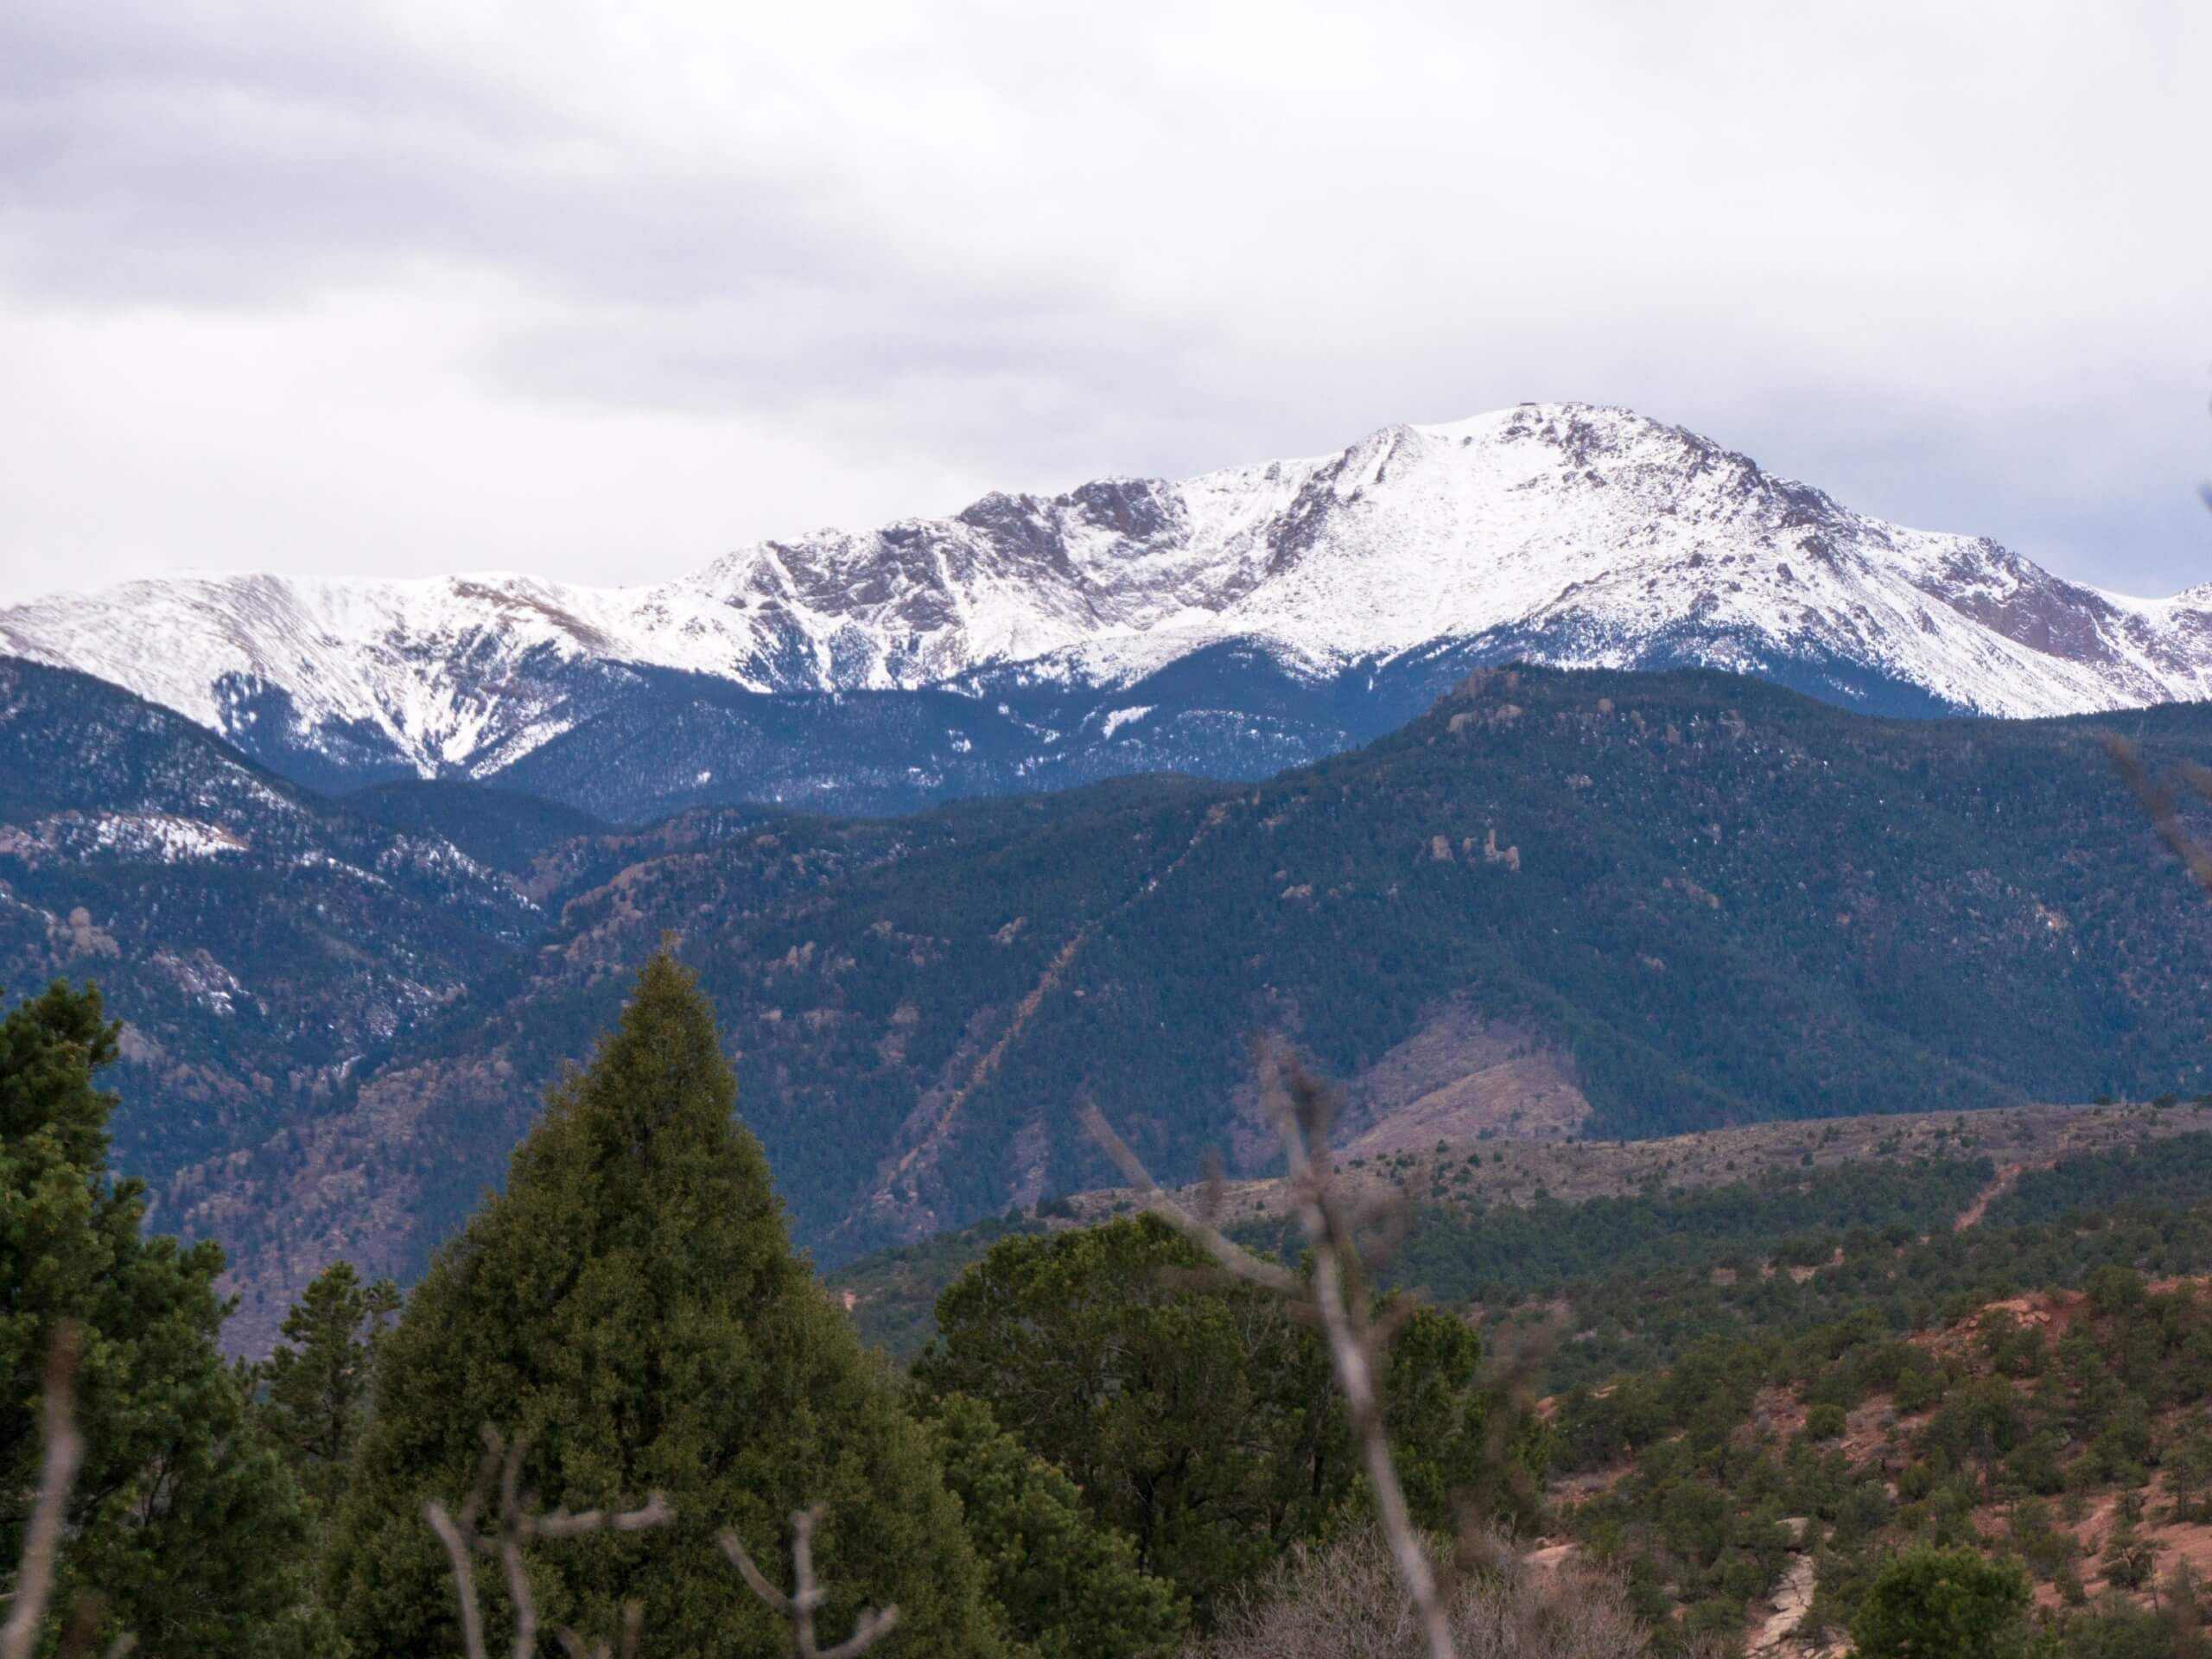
{"x": 258, "y": 940}
{"x": 1687, "y": 899}
{"x": 502, "y": 829}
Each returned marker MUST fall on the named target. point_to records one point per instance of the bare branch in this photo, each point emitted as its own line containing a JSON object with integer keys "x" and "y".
{"x": 806, "y": 1595}
{"x": 733, "y": 1547}
{"x": 509, "y": 1546}
{"x": 515, "y": 1526}
{"x": 1233, "y": 1258}
{"x": 464, "y": 1577}
{"x": 654, "y": 1512}
{"x": 65, "y": 1451}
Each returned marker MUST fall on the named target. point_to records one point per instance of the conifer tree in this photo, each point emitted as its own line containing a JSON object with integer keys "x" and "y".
{"x": 1196, "y": 1423}
{"x": 1952, "y": 1602}
{"x": 185, "y": 1529}
{"x": 314, "y": 1388}
{"x": 629, "y": 1307}
{"x": 1069, "y": 1584}
{"x": 1200, "y": 1420}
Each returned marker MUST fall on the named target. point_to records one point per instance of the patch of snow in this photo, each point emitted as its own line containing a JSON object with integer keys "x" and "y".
{"x": 141, "y": 837}
{"x": 1119, "y": 717}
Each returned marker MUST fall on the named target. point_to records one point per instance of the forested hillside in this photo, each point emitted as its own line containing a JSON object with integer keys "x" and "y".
{"x": 1760, "y": 1389}
{"x": 1620, "y": 904}
{"x": 264, "y": 940}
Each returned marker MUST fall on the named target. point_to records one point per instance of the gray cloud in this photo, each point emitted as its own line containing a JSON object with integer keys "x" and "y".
{"x": 405, "y": 287}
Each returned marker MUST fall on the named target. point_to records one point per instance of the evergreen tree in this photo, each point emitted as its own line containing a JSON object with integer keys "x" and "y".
{"x": 1444, "y": 1430}
{"x": 1202, "y": 1420}
{"x": 186, "y": 1529}
{"x": 629, "y": 1307}
{"x": 1070, "y": 1586}
{"x": 1193, "y": 1421}
{"x": 1944, "y": 1604}
{"x": 314, "y": 1389}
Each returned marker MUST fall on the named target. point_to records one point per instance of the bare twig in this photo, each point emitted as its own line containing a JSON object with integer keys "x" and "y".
{"x": 1333, "y": 1295}
{"x": 515, "y": 1526}
{"x": 464, "y": 1577}
{"x": 1324, "y": 1600}
{"x": 807, "y": 1595}
{"x": 65, "y": 1451}
{"x": 1233, "y": 1258}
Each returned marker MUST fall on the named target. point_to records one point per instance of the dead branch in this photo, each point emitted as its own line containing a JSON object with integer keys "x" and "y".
{"x": 1234, "y": 1259}
{"x": 1325, "y": 1600}
{"x": 806, "y": 1595}
{"x": 65, "y": 1451}
{"x": 464, "y": 1577}
{"x": 515, "y": 1526}
{"x": 1333, "y": 1295}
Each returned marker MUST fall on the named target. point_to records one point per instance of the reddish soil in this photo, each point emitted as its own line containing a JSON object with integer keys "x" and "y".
{"x": 2007, "y": 1177}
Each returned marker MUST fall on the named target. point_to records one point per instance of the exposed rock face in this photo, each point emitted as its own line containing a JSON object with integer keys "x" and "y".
{"x": 1458, "y": 1076}
{"x": 1777, "y": 1634}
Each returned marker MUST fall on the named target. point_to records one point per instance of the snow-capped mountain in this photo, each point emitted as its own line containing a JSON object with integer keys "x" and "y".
{"x": 1567, "y": 533}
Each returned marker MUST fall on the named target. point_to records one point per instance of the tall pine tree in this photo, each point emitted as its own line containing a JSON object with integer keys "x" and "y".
{"x": 314, "y": 1390}
{"x": 183, "y": 1529}
{"x": 630, "y": 1306}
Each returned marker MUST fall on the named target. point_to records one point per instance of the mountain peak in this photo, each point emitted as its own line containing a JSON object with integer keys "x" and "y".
{"x": 1574, "y": 532}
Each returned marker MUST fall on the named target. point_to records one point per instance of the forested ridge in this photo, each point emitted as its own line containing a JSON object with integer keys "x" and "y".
{"x": 1705, "y": 900}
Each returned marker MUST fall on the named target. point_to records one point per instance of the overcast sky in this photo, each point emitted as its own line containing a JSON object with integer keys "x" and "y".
{"x": 602, "y": 290}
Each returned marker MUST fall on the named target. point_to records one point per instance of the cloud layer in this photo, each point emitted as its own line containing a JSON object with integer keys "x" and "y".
{"x": 601, "y": 291}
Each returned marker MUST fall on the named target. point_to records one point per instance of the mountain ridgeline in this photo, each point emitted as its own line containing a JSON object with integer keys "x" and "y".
{"x": 1557, "y": 902}
{"x": 1228, "y": 625}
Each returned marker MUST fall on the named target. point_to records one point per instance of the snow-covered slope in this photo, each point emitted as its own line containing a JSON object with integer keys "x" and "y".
{"x": 1565, "y": 532}
{"x": 452, "y": 674}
